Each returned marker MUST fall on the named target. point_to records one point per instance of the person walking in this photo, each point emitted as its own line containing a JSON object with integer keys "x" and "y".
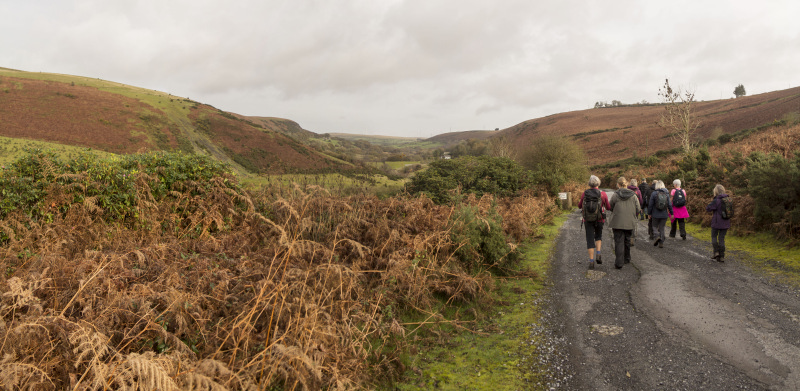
{"x": 644, "y": 190}
{"x": 634, "y": 188}
{"x": 650, "y": 190}
{"x": 660, "y": 208}
{"x": 679, "y": 208}
{"x": 719, "y": 223}
{"x": 593, "y": 204}
{"x": 624, "y": 207}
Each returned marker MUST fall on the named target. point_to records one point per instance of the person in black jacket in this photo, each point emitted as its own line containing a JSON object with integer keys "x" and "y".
{"x": 644, "y": 189}
{"x": 646, "y": 195}
{"x": 658, "y": 215}
{"x": 594, "y": 230}
{"x": 719, "y": 225}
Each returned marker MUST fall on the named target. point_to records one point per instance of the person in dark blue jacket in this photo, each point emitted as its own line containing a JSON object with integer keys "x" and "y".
{"x": 659, "y": 215}
{"x": 719, "y": 225}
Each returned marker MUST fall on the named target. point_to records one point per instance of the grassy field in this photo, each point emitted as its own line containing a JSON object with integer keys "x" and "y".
{"x": 390, "y": 141}
{"x": 13, "y": 148}
{"x": 397, "y": 165}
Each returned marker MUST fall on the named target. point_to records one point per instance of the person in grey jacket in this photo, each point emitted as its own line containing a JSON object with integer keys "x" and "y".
{"x": 625, "y": 207}
{"x": 659, "y": 216}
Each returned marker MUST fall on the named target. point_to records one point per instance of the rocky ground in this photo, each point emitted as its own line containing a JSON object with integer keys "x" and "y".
{"x": 672, "y": 319}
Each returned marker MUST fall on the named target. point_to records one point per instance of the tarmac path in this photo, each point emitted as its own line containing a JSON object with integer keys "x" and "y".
{"x": 672, "y": 319}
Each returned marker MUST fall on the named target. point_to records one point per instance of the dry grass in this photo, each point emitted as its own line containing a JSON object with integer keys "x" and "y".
{"x": 237, "y": 291}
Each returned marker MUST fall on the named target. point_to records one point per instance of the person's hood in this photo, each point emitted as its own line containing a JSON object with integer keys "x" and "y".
{"x": 632, "y": 187}
{"x": 720, "y": 196}
{"x": 624, "y": 194}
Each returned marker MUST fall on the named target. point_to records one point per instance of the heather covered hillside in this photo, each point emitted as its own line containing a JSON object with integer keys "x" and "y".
{"x": 609, "y": 134}
{"x": 112, "y": 117}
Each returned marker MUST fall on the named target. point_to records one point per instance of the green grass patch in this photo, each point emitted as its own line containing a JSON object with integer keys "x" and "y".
{"x": 336, "y": 184}
{"x": 12, "y": 149}
{"x": 398, "y": 165}
{"x": 764, "y": 254}
{"x": 389, "y": 141}
{"x": 499, "y": 355}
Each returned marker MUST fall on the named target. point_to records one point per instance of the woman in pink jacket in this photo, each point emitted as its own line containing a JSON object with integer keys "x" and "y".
{"x": 679, "y": 211}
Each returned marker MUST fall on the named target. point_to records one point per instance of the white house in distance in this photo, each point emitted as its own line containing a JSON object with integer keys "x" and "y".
{"x": 445, "y": 155}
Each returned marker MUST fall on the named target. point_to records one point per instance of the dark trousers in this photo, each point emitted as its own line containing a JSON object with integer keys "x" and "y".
{"x": 675, "y": 223}
{"x": 594, "y": 233}
{"x": 622, "y": 246}
{"x": 659, "y": 225}
{"x": 718, "y": 238}
{"x": 650, "y": 227}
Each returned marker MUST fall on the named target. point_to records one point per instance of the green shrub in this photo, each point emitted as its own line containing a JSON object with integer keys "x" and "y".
{"x": 110, "y": 182}
{"x": 555, "y": 161}
{"x": 774, "y": 184}
{"x": 482, "y": 241}
{"x": 475, "y": 175}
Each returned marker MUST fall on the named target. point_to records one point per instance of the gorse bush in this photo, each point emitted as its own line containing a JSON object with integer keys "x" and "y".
{"x": 774, "y": 184}
{"x": 480, "y": 238}
{"x": 471, "y": 175}
{"x": 40, "y": 184}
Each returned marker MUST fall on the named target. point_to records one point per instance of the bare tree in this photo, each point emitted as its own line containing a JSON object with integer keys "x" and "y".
{"x": 503, "y": 146}
{"x": 679, "y": 117}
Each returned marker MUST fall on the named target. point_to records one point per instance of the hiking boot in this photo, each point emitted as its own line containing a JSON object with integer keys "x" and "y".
{"x": 721, "y": 255}
{"x": 661, "y": 244}
{"x": 656, "y": 243}
{"x": 683, "y": 237}
{"x": 591, "y": 265}
{"x": 599, "y": 259}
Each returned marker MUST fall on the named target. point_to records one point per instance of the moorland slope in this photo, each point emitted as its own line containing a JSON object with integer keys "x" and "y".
{"x": 116, "y": 118}
{"x": 610, "y": 134}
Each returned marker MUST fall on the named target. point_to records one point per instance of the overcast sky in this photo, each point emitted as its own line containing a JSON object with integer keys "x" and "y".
{"x": 410, "y": 68}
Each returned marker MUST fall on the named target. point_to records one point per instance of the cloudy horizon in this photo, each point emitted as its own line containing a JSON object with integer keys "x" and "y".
{"x": 409, "y": 68}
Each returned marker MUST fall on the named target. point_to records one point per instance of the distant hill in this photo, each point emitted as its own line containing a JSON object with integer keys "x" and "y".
{"x": 453, "y": 138}
{"x": 615, "y": 133}
{"x": 116, "y": 118}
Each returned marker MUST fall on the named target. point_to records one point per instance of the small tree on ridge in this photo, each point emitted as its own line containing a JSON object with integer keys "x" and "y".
{"x": 739, "y": 91}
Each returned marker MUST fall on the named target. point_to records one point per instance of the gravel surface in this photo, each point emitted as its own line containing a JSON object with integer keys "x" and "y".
{"x": 672, "y": 319}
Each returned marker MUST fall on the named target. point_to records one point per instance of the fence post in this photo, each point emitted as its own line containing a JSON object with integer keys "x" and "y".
{"x": 565, "y": 199}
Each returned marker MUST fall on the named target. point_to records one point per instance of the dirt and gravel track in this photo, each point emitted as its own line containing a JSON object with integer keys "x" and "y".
{"x": 672, "y": 319}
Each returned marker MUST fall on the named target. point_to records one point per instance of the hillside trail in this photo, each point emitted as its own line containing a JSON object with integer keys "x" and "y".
{"x": 672, "y": 319}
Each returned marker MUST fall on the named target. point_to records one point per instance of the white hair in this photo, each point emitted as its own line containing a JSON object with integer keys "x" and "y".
{"x": 676, "y": 183}
{"x": 659, "y": 184}
{"x": 594, "y": 181}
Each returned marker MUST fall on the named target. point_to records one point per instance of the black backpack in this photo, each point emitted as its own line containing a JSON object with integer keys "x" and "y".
{"x": 726, "y": 210}
{"x": 646, "y": 193}
{"x": 592, "y": 208}
{"x": 679, "y": 199}
{"x": 662, "y": 200}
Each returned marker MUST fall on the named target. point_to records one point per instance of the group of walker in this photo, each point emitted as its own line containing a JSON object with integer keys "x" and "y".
{"x": 630, "y": 203}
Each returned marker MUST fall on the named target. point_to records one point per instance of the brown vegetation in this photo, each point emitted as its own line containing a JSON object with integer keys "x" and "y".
{"x": 71, "y": 115}
{"x": 290, "y": 288}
